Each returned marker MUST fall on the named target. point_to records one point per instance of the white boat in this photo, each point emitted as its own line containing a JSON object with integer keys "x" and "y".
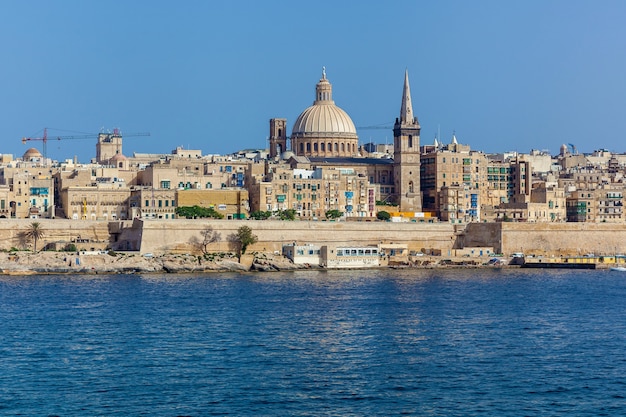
{"x": 618, "y": 268}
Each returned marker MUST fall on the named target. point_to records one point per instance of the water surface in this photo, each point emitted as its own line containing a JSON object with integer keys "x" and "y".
{"x": 315, "y": 343}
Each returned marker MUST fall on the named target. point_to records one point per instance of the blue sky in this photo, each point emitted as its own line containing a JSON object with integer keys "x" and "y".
{"x": 504, "y": 75}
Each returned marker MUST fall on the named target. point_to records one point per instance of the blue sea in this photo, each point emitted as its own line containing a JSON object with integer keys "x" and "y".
{"x": 459, "y": 342}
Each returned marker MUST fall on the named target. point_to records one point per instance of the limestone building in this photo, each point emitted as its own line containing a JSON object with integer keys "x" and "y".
{"x": 312, "y": 192}
{"x": 454, "y": 181}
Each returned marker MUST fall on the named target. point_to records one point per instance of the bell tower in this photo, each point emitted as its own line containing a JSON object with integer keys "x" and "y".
{"x": 278, "y": 137}
{"x": 406, "y": 154}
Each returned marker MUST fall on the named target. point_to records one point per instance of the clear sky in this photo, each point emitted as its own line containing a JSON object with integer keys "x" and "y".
{"x": 503, "y": 75}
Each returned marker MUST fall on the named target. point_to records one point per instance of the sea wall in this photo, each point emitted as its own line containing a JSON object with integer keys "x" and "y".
{"x": 547, "y": 239}
{"x": 85, "y": 234}
{"x": 181, "y": 235}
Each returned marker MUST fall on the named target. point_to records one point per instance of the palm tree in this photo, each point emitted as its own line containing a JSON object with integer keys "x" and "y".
{"x": 34, "y": 232}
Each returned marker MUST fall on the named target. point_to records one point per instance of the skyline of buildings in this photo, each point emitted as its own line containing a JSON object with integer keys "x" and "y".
{"x": 320, "y": 167}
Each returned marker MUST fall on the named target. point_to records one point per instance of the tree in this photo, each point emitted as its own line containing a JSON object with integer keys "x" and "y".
{"x": 242, "y": 239}
{"x": 197, "y": 212}
{"x": 289, "y": 214}
{"x": 333, "y": 214}
{"x": 208, "y": 236}
{"x": 383, "y": 215}
{"x": 34, "y": 233}
{"x": 260, "y": 215}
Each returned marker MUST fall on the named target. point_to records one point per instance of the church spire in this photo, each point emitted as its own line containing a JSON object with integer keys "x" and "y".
{"x": 406, "y": 111}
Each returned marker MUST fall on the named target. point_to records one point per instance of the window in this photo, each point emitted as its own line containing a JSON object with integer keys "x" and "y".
{"x": 410, "y": 141}
{"x": 165, "y": 184}
{"x": 147, "y": 203}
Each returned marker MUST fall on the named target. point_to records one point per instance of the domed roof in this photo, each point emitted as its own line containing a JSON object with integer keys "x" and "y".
{"x": 31, "y": 153}
{"x": 324, "y": 118}
{"x": 118, "y": 157}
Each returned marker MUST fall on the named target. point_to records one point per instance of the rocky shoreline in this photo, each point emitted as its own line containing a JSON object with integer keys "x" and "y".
{"x": 28, "y": 263}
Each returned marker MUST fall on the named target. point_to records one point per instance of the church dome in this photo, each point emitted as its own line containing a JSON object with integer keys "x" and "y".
{"x": 324, "y": 129}
{"x": 324, "y": 118}
{"x": 118, "y": 157}
{"x": 31, "y": 153}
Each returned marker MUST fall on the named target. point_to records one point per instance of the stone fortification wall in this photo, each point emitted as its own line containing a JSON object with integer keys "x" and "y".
{"x": 567, "y": 239}
{"x": 481, "y": 235}
{"x": 178, "y": 235}
{"x": 85, "y": 234}
{"x": 554, "y": 239}
{"x": 547, "y": 239}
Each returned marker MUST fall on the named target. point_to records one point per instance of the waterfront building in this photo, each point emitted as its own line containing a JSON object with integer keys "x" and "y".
{"x": 312, "y": 192}
{"x": 459, "y": 203}
{"x": 454, "y": 178}
{"x": 5, "y": 200}
{"x": 32, "y": 194}
{"x": 152, "y": 203}
{"x": 231, "y": 203}
{"x": 95, "y": 192}
{"x": 333, "y": 256}
{"x": 604, "y": 204}
{"x": 353, "y": 256}
{"x": 307, "y": 254}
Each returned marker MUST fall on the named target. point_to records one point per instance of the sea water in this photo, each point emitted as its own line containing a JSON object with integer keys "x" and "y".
{"x": 461, "y": 342}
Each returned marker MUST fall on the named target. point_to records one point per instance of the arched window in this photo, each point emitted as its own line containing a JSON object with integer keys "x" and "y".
{"x": 301, "y": 148}
{"x": 323, "y": 147}
{"x": 315, "y": 147}
{"x": 336, "y": 147}
{"x": 308, "y": 147}
{"x": 343, "y": 147}
{"x": 410, "y": 141}
{"x": 410, "y": 186}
